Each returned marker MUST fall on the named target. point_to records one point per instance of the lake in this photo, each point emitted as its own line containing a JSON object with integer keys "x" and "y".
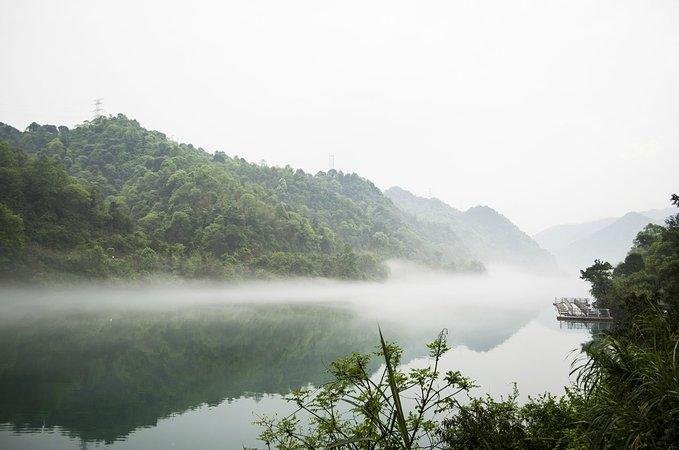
{"x": 191, "y": 365}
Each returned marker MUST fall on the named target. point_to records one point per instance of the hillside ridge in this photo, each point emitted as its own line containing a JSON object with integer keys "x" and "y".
{"x": 148, "y": 204}
{"x": 490, "y": 236}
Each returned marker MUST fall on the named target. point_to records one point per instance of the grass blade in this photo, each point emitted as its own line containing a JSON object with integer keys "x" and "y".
{"x": 400, "y": 416}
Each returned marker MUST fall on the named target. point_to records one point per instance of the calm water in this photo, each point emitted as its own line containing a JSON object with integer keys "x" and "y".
{"x": 192, "y": 366}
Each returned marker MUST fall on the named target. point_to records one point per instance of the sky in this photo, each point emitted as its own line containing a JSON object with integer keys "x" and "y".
{"x": 548, "y": 111}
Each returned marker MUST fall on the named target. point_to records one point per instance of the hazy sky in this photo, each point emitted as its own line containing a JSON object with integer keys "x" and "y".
{"x": 549, "y": 111}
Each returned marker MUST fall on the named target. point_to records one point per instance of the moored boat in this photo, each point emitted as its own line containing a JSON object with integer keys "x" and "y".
{"x": 580, "y": 309}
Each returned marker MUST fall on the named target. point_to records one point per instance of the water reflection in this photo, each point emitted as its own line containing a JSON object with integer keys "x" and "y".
{"x": 101, "y": 375}
{"x": 592, "y": 327}
{"x": 190, "y": 367}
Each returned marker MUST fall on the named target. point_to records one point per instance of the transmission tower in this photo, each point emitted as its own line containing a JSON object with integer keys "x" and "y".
{"x": 98, "y": 107}
{"x": 331, "y": 161}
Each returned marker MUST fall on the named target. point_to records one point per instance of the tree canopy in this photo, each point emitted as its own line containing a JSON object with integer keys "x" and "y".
{"x": 110, "y": 198}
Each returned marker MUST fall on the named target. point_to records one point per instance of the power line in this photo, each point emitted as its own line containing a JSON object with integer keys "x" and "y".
{"x": 98, "y": 107}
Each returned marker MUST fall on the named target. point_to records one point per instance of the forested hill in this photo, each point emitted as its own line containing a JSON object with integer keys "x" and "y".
{"x": 110, "y": 198}
{"x": 489, "y": 236}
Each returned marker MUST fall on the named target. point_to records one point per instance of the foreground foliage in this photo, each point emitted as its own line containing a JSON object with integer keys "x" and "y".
{"x": 356, "y": 410}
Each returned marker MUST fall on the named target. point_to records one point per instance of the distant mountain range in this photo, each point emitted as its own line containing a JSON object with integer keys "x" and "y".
{"x": 486, "y": 234}
{"x": 577, "y": 245}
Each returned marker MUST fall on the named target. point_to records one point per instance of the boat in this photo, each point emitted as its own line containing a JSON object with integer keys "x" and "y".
{"x": 581, "y": 310}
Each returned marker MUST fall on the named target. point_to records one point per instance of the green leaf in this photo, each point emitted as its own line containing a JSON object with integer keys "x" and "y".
{"x": 400, "y": 416}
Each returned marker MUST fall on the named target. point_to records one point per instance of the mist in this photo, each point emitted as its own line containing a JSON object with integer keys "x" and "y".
{"x": 500, "y": 326}
{"x": 206, "y": 206}
{"x": 478, "y": 310}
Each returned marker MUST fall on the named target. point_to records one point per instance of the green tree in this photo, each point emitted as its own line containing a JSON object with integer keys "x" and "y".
{"x": 180, "y": 228}
{"x": 12, "y": 237}
{"x": 599, "y": 275}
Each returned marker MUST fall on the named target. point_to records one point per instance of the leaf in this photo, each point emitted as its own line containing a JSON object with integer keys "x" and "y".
{"x": 400, "y": 416}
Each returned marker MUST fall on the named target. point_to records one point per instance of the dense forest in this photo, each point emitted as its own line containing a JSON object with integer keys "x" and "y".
{"x": 112, "y": 199}
{"x": 625, "y": 394}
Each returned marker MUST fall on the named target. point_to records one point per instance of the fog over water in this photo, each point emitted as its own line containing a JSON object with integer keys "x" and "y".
{"x": 499, "y": 286}
{"x": 469, "y": 305}
{"x": 178, "y": 363}
{"x": 478, "y": 310}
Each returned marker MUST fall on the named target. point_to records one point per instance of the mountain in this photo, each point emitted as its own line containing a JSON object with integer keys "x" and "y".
{"x": 488, "y": 235}
{"x": 558, "y": 237}
{"x": 659, "y": 215}
{"x": 577, "y": 245}
{"x": 110, "y": 198}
